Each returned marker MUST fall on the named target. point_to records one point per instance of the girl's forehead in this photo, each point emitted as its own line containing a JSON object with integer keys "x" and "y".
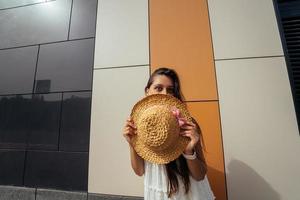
{"x": 162, "y": 79}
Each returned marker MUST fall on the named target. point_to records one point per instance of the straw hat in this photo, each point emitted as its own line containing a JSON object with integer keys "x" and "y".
{"x": 157, "y": 139}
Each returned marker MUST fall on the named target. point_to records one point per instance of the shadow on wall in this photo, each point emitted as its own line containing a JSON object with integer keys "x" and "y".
{"x": 246, "y": 184}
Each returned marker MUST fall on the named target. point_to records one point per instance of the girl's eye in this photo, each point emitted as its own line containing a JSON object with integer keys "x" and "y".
{"x": 170, "y": 91}
{"x": 158, "y": 89}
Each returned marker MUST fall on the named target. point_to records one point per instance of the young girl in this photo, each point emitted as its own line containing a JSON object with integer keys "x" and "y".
{"x": 184, "y": 178}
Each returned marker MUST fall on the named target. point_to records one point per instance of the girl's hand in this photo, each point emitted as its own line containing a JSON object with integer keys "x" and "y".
{"x": 129, "y": 130}
{"x": 189, "y": 129}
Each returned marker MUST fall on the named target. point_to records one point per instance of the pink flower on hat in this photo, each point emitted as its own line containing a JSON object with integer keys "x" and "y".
{"x": 176, "y": 112}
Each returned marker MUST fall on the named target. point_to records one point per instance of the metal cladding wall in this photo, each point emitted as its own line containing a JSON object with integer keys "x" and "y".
{"x": 180, "y": 38}
{"x": 63, "y": 106}
{"x": 121, "y": 69}
{"x": 131, "y": 36}
{"x": 259, "y": 126}
{"x": 229, "y": 57}
{"x": 46, "y": 53}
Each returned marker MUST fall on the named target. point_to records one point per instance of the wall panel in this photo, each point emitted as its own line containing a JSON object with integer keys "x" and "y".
{"x": 83, "y": 19}
{"x": 14, "y": 61}
{"x": 122, "y": 33}
{"x": 260, "y": 131}
{"x": 180, "y": 38}
{"x": 207, "y": 116}
{"x": 242, "y": 28}
{"x": 49, "y": 23}
{"x": 114, "y": 93}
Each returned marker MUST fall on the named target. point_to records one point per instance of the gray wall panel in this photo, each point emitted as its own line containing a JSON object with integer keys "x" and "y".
{"x": 17, "y": 68}
{"x": 50, "y": 169}
{"x": 66, "y": 65}
{"x": 13, "y": 3}
{"x": 83, "y": 19}
{"x": 14, "y": 121}
{"x": 12, "y": 166}
{"x": 37, "y": 55}
{"x": 40, "y": 23}
{"x": 75, "y": 121}
{"x": 44, "y": 121}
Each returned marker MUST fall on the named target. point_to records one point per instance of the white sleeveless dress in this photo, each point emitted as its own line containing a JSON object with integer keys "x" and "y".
{"x": 156, "y": 182}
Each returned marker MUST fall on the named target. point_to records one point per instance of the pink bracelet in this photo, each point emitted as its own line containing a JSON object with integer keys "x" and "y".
{"x": 190, "y": 157}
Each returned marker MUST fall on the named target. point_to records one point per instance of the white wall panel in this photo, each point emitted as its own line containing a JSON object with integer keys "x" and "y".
{"x": 122, "y": 33}
{"x": 114, "y": 93}
{"x": 260, "y": 134}
{"x": 244, "y": 28}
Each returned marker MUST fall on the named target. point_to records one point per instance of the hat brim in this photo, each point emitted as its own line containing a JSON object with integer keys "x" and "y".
{"x": 174, "y": 151}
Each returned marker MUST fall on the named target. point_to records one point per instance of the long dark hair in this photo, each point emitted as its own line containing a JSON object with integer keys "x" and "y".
{"x": 170, "y": 73}
{"x": 178, "y": 167}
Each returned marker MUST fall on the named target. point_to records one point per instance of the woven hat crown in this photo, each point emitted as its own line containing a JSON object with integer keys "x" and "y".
{"x": 157, "y": 138}
{"x": 159, "y": 127}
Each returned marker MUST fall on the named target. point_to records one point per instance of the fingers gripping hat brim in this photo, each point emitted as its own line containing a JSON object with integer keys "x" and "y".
{"x": 140, "y": 109}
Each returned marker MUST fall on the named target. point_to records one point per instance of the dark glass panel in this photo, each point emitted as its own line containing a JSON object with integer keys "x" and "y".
{"x": 83, "y": 20}
{"x": 63, "y": 170}
{"x": 11, "y": 167}
{"x": 17, "y": 69}
{"x": 67, "y": 66}
{"x": 35, "y": 24}
{"x": 75, "y": 125}
{"x": 15, "y": 113}
{"x": 45, "y": 119}
{"x": 14, "y": 3}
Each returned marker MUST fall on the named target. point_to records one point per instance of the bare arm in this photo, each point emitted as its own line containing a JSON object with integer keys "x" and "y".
{"x": 137, "y": 163}
{"x": 197, "y": 167}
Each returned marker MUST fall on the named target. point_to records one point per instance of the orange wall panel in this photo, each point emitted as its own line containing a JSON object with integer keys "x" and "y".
{"x": 180, "y": 38}
{"x": 207, "y": 115}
